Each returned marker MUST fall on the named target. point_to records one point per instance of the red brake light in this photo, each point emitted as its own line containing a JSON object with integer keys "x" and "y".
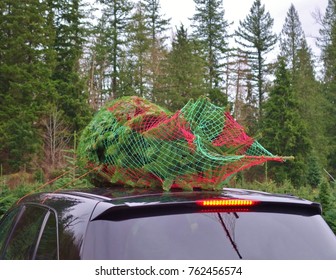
{"x": 226, "y": 202}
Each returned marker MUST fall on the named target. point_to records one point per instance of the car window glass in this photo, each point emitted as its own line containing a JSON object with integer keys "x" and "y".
{"x": 5, "y": 227}
{"x": 23, "y": 240}
{"x": 162, "y": 237}
{"x": 47, "y": 248}
{"x": 212, "y": 236}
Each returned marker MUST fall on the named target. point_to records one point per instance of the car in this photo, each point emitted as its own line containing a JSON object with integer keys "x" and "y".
{"x": 123, "y": 223}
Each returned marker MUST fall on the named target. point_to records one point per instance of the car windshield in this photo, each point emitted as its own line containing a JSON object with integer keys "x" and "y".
{"x": 242, "y": 235}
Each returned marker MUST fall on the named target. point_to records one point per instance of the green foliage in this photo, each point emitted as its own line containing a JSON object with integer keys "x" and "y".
{"x": 107, "y": 52}
{"x": 26, "y": 63}
{"x": 39, "y": 176}
{"x": 73, "y": 176}
{"x": 314, "y": 175}
{"x": 311, "y": 101}
{"x": 157, "y": 25}
{"x": 70, "y": 93}
{"x": 283, "y": 130}
{"x": 155, "y": 21}
{"x": 8, "y": 196}
{"x": 325, "y": 196}
{"x": 330, "y": 217}
{"x": 40, "y": 46}
{"x": 183, "y": 73}
{"x": 327, "y": 44}
{"x": 291, "y": 38}
{"x": 19, "y": 140}
{"x": 210, "y": 30}
{"x": 139, "y": 38}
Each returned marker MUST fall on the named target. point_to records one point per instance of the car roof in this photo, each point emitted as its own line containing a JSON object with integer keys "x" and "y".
{"x": 103, "y": 199}
{"x": 123, "y": 194}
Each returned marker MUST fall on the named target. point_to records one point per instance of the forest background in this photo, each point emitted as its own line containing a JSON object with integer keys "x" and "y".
{"x": 62, "y": 60}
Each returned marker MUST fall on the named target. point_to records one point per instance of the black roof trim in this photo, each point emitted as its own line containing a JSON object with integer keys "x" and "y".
{"x": 124, "y": 212}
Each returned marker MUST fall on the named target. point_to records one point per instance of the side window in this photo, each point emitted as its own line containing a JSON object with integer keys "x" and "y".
{"x": 6, "y": 226}
{"x": 47, "y": 247}
{"x": 22, "y": 243}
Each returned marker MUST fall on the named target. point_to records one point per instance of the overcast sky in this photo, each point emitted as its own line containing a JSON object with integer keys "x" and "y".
{"x": 180, "y": 10}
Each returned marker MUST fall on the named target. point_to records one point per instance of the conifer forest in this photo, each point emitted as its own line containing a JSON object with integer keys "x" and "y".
{"x": 62, "y": 60}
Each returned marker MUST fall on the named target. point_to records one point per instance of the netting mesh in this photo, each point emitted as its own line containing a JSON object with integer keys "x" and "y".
{"x": 138, "y": 143}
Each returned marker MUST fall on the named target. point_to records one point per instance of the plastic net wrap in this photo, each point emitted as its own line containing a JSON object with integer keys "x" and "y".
{"x": 134, "y": 142}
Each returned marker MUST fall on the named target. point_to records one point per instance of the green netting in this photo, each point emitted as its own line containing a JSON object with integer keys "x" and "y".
{"x": 135, "y": 142}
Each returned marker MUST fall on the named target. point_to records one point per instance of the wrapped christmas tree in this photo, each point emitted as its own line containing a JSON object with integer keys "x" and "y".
{"x": 137, "y": 143}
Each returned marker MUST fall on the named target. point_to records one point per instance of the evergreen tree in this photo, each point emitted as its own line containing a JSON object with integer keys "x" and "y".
{"x": 157, "y": 25}
{"x": 139, "y": 39}
{"x": 155, "y": 22}
{"x": 110, "y": 45}
{"x": 211, "y": 30}
{"x": 298, "y": 56}
{"x": 99, "y": 84}
{"x": 312, "y": 102}
{"x": 254, "y": 35}
{"x": 71, "y": 94}
{"x": 26, "y": 64}
{"x": 291, "y": 38}
{"x": 184, "y": 72}
{"x": 244, "y": 106}
{"x": 314, "y": 176}
{"x": 325, "y": 196}
{"x": 127, "y": 85}
{"x": 327, "y": 44}
{"x": 284, "y": 133}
